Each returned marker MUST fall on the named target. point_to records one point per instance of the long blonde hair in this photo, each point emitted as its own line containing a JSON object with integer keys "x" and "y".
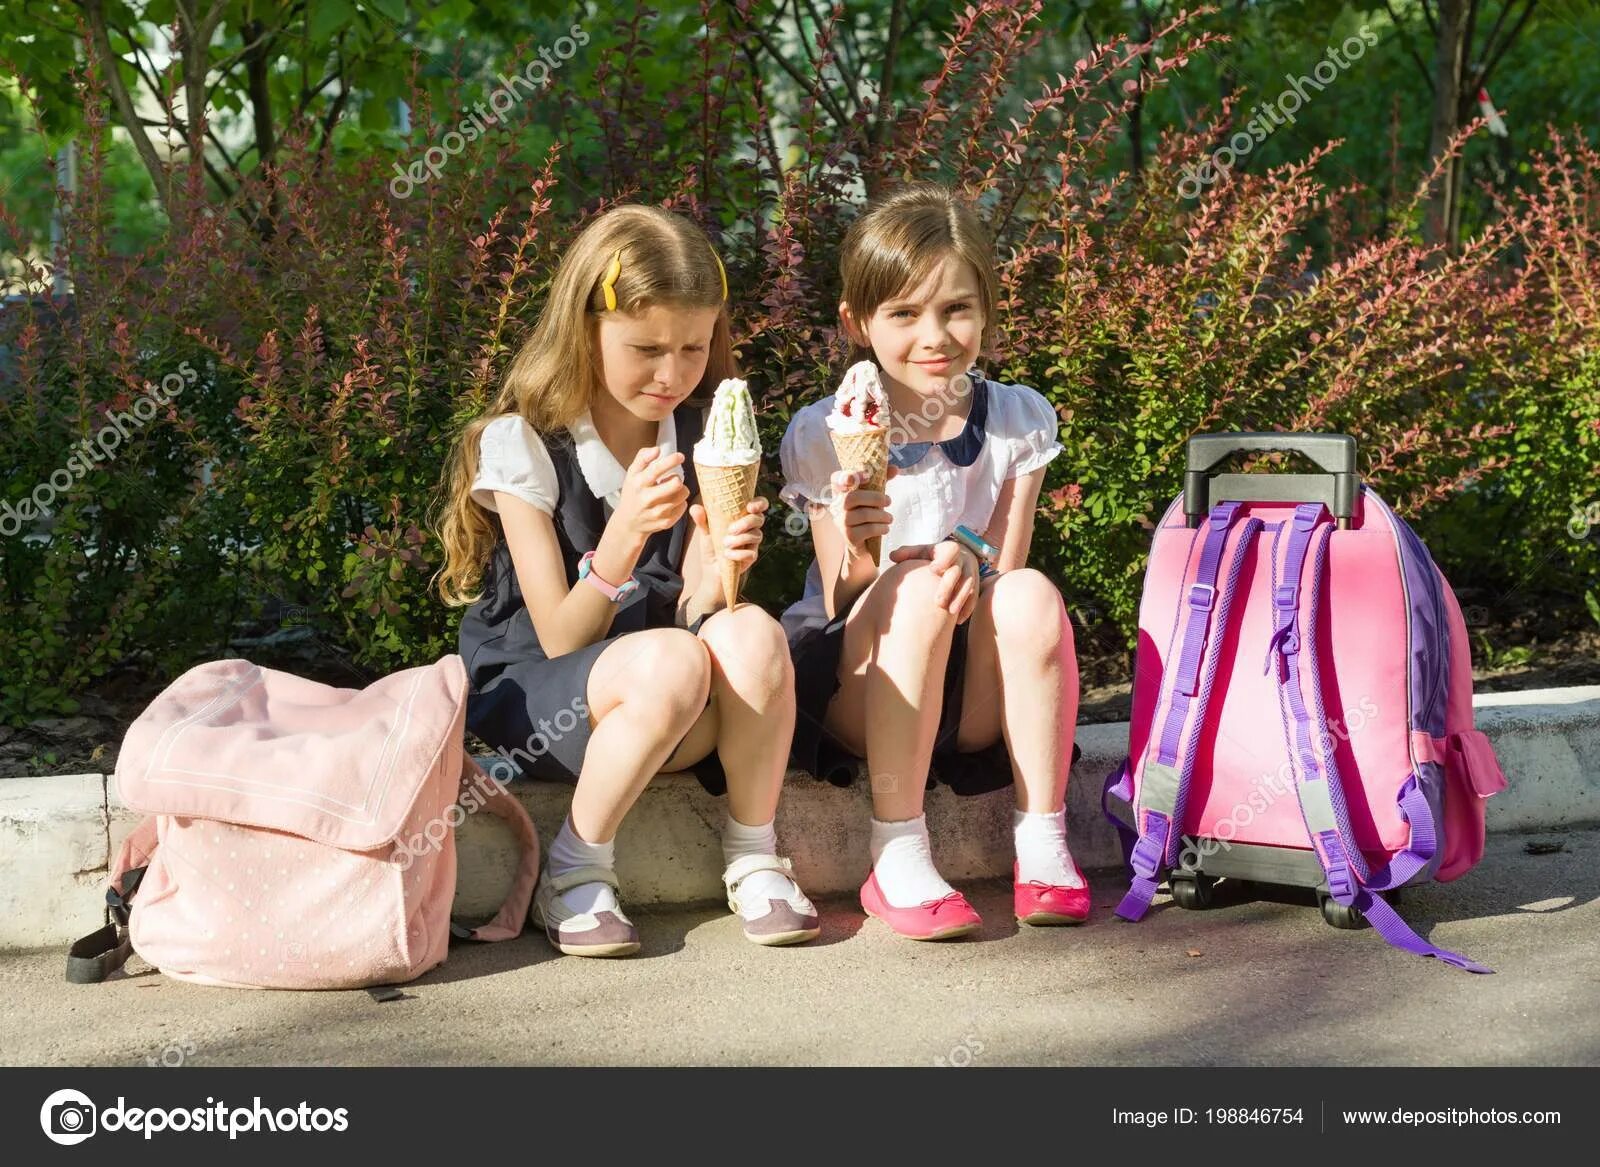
{"x": 900, "y": 239}
{"x": 665, "y": 260}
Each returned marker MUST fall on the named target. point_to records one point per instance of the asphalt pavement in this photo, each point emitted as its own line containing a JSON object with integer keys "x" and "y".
{"x": 1250, "y": 982}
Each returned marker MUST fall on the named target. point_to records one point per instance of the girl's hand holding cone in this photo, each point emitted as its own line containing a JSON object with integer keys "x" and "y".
{"x": 727, "y": 461}
{"x": 743, "y": 541}
{"x": 863, "y": 513}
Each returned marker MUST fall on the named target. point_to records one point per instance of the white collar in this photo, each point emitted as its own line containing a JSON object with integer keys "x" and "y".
{"x": 602, "y": 473}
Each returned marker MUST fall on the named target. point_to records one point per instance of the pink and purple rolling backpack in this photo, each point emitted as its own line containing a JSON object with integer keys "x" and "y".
{"x": 1302, "y": 705}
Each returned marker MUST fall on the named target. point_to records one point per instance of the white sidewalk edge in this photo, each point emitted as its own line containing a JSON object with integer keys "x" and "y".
{"x": 58, "y": 833}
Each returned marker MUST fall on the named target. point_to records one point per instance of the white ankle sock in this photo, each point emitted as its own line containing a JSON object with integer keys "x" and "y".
{"x": 569, "y": 852}
{"x": 739, "y": 840}
{"x": 1042, "y": 852}
{"x": 903, "y": 863}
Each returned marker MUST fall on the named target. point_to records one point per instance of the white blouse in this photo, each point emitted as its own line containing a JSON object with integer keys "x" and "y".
{"x": 930, "y": 499}
{"x": 513, "y": 460}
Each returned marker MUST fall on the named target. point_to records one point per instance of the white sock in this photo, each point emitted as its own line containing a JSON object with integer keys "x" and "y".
{"x": 1042, "y": 848}
{"x": 569, "y": 852}
{"x": 758, "y": 887}
{"x": 903, "y": 862}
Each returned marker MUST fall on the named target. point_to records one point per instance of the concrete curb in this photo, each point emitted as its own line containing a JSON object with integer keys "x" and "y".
{"x": 58, "y": 833}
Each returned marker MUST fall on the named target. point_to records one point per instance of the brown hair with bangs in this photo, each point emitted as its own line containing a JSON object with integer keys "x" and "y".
{"x": 898, "y": 241}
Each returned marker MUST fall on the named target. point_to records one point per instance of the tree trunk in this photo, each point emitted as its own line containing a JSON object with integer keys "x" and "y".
{"x": 122, "y": 102}
{"x": 1448, "y": 68}
{"x": 256, "y": 63}
{"x": 1136, "y": 114}
{"x": 881, "y": 126}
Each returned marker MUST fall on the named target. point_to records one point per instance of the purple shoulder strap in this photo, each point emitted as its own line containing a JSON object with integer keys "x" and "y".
{"x": 1186, "y": 691}
{"x": 1316, "y": 769}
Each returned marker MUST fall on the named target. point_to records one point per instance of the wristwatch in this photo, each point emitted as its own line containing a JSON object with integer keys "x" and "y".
{"x": 986, "y": 552}
{"x": 615, "y": 594}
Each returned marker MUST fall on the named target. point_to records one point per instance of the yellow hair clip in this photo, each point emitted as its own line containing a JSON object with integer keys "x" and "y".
{"x": 721, "y": 271}
{"x": 608, "y": 286}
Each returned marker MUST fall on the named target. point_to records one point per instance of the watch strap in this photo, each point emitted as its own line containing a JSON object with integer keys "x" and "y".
{"x": 611, "y": 591}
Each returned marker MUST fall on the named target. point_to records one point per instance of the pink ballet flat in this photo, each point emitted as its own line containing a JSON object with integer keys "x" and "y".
{"x": 940, "y": 919}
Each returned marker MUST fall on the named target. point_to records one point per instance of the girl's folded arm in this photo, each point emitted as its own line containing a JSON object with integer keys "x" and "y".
{"x": 1011, "y": 529}
{"x": 564, "y": 619}
{"x": 691, "y": 572}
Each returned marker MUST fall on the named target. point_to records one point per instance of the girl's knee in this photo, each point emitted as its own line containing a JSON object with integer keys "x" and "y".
{"x": 906, "y": 601}
{"x": 748, "y": 646}
{"x": 1028, "y": 611}
{"x": 670, "y": 674}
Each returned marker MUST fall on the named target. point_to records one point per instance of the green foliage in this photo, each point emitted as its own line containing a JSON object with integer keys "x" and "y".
{"x": 342, "y": 335}
{"x": 28, "y": 161}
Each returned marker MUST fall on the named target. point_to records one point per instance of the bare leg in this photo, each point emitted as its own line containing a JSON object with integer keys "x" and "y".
{"x": 1020, "y": 666}
{"x": 750, "y": 723}
{"x": 752, "y": 687}
{"x": 891, "y": 679}
{"x": 645, "y": 692}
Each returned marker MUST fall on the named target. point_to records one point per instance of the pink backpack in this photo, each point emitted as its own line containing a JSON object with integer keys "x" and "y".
{"x": 1302, "y": 706}
{"x": 299, "y": 836}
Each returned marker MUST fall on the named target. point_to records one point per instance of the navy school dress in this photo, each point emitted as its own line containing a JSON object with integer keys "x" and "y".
{"x": 531, "y": 709}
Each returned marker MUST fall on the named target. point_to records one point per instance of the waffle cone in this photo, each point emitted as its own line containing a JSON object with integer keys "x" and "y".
{"x": 868, "y": 452}
{"x": 724, "y": 492}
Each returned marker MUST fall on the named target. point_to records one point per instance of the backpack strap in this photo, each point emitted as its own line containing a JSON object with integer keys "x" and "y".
{"x": 513, "y": 913}
{"x": 1186, "y": 692}
{"x": 1116, "y": 804}
{"x": 94, "y": 957}
{"x": 1318, "y": 783}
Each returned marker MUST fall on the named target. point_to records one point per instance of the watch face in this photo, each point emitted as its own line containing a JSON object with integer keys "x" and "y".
{"x": 972, "y": 543}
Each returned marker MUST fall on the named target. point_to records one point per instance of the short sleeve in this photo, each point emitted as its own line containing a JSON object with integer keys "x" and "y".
{"x": 807, "y": 459}
{"x": 512, "y": 459}
{"x": 1029, "y": 427}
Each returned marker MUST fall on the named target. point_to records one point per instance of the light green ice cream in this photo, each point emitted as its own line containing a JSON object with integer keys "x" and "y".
{"x": 730, "y": 438}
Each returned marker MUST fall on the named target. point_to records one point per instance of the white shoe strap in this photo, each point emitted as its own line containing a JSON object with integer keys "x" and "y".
{"x": 747, "y": 865}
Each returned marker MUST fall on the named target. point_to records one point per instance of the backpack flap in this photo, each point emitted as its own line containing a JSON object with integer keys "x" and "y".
{"x": 237, "y": 743}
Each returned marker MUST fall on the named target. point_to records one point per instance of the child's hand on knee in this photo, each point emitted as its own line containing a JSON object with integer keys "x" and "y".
{"x": 957, "y": 569}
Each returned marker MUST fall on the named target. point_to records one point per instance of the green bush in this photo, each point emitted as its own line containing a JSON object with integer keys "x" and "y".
{"x": 338, "y": 345}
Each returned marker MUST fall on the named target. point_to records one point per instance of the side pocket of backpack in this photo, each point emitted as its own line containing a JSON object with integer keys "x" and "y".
{"x": 1472, "y": 774}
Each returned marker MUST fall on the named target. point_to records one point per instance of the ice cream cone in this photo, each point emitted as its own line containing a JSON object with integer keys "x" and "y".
{"x": 867, "y": 451}
{"x": 724, "y": 492}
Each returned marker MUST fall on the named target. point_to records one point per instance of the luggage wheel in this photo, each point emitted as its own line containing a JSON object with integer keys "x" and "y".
{"x": 1194, "y": 892}
{"x": 1340, "y": 916}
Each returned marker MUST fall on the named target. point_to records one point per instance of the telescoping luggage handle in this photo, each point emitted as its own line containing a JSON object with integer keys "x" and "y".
{"x": 1336, "y": 489}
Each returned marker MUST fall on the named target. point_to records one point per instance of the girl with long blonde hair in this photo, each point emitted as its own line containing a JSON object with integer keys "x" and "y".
{"x": 598, "y": 644}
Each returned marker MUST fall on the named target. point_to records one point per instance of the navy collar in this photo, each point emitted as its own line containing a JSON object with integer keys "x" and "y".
{"x": 964, "y": 448}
